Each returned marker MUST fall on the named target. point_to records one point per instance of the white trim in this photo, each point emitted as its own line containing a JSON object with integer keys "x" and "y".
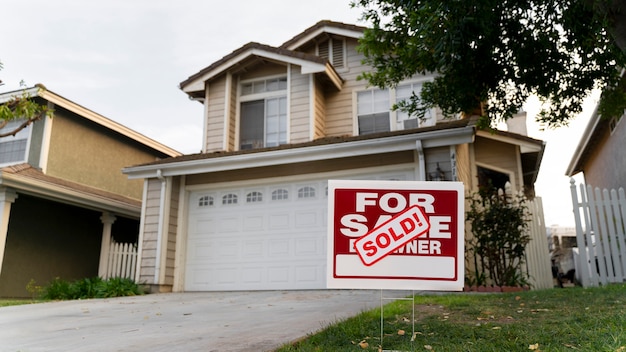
{"x": 326, "y": 29}
{"x": 512, "y": 177}
{"x": 307, "y": 66}
{"x": 420, "y": 172}
{"x": 45, "y": 141}
{"x": 430, "y": 139}
{"x": 205, "y": 126}
{"x": 7, "y": 197}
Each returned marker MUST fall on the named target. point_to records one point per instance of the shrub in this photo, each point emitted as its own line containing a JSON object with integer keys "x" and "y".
{"x": 499, "y": 223}
{"x": 95, "y": 287}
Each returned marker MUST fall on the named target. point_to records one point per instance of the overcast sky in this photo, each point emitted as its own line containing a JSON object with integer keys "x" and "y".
{"x": 124, "y": 59}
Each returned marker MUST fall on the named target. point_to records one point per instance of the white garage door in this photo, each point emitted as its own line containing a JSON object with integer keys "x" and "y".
{"x": 266, "y": 237}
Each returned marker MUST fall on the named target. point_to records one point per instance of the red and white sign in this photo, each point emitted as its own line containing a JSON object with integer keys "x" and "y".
{"x": 395, "y": 235}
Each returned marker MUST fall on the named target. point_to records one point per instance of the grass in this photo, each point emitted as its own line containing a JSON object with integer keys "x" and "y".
{"x": 572, "y": 319}
{"x": 16, "y": 302}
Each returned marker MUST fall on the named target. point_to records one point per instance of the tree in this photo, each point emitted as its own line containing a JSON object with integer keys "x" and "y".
{"x": 21, "y": 107}
{"x": 490, "y": 56}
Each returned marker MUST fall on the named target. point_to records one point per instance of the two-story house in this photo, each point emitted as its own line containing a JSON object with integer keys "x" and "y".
{"x": 63, "y": 197}
{"x": 249, "y": 212}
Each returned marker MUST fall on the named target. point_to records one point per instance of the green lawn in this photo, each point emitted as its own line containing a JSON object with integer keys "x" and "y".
{"x": 571, "y": 319}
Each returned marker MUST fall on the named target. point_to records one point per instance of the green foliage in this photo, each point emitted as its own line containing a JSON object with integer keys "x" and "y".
{"x": 499, "y": 225}
{"x": 489, "y": 56}
{"x": 90, "y": 288}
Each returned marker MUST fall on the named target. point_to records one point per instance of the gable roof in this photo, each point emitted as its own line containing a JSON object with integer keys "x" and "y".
{"x": 41, "y": 91}
{"x": 194, "y": 85}
{"x": 324, "y": 26}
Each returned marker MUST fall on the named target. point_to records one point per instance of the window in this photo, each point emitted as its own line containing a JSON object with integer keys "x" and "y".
{"x": 373, "y": 111}
{"x": 205, "y": 201}
{"x": 403, "y": 119}
{"x": 229, "y": 199}
{"x": 254, "y": 197}
{"x": 280, "y": 194}
{"x": 13, "y": 149}
{"x": 263, "y": 114}
{"x": 375, "y": 114}
{"x": 306, "y": 192}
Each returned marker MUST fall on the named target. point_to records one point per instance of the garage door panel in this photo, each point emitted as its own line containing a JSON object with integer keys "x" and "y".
{"x": 275, "y": 240}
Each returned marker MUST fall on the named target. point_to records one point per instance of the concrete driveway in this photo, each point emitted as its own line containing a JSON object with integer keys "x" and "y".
{"x": 201, "y": 321}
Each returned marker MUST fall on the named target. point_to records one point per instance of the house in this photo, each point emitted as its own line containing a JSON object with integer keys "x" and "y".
{"x": 249, "y": 211}
{"x": 62, "y": 193}
{"x": 599, "y": 154}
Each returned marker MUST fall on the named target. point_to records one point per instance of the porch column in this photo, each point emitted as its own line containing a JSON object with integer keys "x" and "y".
{"x": 107, "y": 222}
{"x": 7, "y": 197}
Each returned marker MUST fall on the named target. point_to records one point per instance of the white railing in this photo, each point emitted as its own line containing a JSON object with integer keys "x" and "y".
{"x": 122, "y": 260}
{"x": 599, "y": 217}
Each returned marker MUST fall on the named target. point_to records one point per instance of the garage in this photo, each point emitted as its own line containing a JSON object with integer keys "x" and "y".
{"x": 266, "y": 237}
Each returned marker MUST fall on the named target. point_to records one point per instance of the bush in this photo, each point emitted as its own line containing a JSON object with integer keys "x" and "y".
{"x": 95, "y": 287}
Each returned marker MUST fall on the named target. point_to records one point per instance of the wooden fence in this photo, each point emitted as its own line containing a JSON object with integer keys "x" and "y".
{"x": 600, "y": 217}
{"x": 122, "y": 260}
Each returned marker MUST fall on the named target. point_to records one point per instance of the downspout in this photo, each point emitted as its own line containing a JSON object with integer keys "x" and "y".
{"x": 157, "y": 263}
{"x": 421, "y": 172}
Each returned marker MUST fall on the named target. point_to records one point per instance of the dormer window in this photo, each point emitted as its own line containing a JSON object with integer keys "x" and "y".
{"x": 263, "y": 113}
{"x": 333, "y": 50}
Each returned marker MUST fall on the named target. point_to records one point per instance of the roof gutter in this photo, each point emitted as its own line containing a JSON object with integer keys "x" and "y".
{"x": 429, "y": 139}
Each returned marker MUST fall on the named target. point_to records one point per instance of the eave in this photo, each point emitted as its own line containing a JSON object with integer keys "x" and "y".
{"x": 428, "y": 139}
{"x": 36, "y": 184}
{"x": 587, "y": 140}
{"x": 308, "y": 64}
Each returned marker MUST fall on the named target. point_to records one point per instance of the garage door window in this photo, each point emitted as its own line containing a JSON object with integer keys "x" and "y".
{"x": 205, "y": 201}
{"x": 280, "y": 194}
{"x": 306, "y": 192}
{"x": 229, "y": 199}
{"x": 254, "y": 197}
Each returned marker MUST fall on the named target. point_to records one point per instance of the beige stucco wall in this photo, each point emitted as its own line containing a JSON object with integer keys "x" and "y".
{"x": 47, "y": 240}
{"x": 84, "y": 152}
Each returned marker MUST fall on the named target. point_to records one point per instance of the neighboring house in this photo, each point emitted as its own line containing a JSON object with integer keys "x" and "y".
{"x": 63, "y": 194}
{"x": 600, "y": 153}
{"x": 249, "y": 212}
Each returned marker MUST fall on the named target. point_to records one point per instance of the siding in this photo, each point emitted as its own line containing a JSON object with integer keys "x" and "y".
{"x": 339, "y": 105}
{"x": 215, "y": 115}
{"x": 299, "y": 110}
{"x": 463, "y": 168}
{"x": 319, "y": 125}
{"x": 150, "y": 231}
{"x": 606, "y": 165}
{"x": 172, "y": 227}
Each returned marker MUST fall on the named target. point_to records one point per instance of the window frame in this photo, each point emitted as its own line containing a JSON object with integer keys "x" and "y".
{"x": 24, "y": 134}
{"x": 265, "y": 96}
{"x": 393, "y": 114}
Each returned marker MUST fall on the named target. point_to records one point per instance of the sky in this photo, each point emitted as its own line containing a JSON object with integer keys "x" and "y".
{"x": 124, "y": 59}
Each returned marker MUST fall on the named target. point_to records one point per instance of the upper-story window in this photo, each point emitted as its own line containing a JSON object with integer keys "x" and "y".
{"x": 375, "y": 114}
{"x": 334, "y": 51}
{"x": 263, "y": 114}
{"x": 13, "y": 149}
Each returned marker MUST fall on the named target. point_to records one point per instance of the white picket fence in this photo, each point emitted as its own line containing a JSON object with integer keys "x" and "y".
{"x": 122, "y": 260}
{"x": 600, "y": 217}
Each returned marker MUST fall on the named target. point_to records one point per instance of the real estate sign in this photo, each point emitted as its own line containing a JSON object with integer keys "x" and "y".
{"x": 395, "y": 235}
